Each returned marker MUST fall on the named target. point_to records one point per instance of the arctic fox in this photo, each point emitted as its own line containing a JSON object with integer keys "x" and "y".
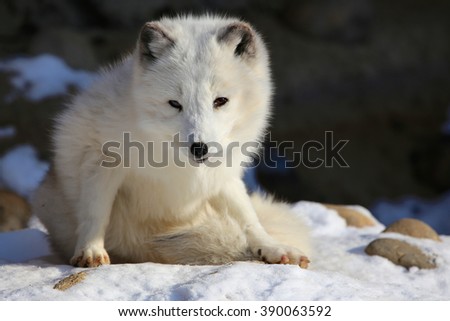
{"x": 205, "y": 80}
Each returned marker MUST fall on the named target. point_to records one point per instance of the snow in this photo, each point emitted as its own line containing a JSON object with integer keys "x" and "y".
{"x": 434, "y": 212}
{"x": 21, "y": 170}
{"x": 44, "y": 76}
{"x": 340, "y": 270}
{"x": 22, "y": 251}
{"x": 7, "y": 132}
{"x": 250, "y": 180}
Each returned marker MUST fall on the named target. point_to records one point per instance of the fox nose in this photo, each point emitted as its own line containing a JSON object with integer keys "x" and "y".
{"x": 199, "y": 149}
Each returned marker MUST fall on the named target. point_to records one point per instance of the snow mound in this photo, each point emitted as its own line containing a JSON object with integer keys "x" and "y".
{"x": 43, "y": 76}
{"x": 340, "y": 270}
{"x": 21, "y": 170}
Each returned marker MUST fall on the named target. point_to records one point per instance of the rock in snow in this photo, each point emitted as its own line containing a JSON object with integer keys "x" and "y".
{"x": 400, "y": 253}
{"x": 14, "y": 211}
{"x": 414, "y": 228}
{"x": 353, "y": 215}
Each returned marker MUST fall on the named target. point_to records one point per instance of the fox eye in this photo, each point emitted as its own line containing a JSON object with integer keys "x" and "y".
{"x": 175, "y": 104}
{"x": 219, "y": 102}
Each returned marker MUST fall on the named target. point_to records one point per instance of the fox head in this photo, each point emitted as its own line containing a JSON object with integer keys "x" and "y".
{"x": 203, "y": 80}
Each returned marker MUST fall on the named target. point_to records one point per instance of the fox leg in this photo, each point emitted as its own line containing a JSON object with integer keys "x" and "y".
{"x": 235, "y": 198}
{"x": 97, "y": 194}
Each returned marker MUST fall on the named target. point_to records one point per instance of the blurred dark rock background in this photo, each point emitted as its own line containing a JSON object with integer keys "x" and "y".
{"x": 374, "y": 72}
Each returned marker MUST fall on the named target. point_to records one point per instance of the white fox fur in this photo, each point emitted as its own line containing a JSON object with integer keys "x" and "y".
{"x": 192, "y": 214}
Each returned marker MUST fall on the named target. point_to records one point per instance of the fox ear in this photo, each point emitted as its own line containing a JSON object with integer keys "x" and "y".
{"x": 241, "y": 37}
{"x": 153, "y": 41}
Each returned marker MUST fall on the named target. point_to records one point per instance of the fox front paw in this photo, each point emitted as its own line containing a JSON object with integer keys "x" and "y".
{"x": 90, "y": 257}
{"x": 282, "y": 254}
